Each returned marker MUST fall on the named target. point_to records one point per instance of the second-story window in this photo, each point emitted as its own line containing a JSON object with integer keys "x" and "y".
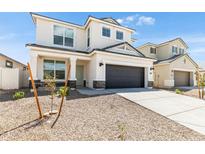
{"x": 105, "y": 32}
{"x": 63, "y": 36}
{"x": 119, "y": 35}
{"x": 174, "y": 50}
{"x": 181, "y": 51}
{"x": 153, "y": 50}
{"x": 9, "y": 64}
{"x": 88, "y": 38}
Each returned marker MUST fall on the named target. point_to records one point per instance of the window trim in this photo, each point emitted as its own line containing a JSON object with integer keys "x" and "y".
{"x": 181, "y": 50}
{"x": 172, "y": 50}
{"x": 102, "y": 32}
{"x": 116, "y": 35}
{"x": 55, "y": 68}
{"x": 8, "y": 61}
{"x": 63, "y": 46}
{"x": 155, "y": 51}
{"x": 87, "y": 38}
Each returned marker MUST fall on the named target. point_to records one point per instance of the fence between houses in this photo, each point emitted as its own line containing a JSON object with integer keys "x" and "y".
{"x": 13, "y": 78}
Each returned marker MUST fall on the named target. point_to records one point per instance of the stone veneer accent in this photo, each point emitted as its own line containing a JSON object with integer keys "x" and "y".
{"x": 72, "y": 83}
{"x": 98, "y": 84}
{"x": 84, "y": 83}
{"x": 150, "y": 83}
{"x": 37, "y": 83}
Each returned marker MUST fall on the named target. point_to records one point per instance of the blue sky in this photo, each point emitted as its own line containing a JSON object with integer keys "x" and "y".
{"x": 17, "y": 29}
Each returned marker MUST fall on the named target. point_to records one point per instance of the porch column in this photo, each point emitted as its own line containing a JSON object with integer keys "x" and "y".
{"x": 72, "y": 81}
{"x": 34, "y": 68}
{"x": 150, "y": 76}
{"x": 146, "y": 73}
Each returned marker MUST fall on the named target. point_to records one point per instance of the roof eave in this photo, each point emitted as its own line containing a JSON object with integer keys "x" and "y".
{"x": 100, "y": 20}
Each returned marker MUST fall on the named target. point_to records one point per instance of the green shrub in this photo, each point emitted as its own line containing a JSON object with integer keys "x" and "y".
{"x": 63, "y": 92}
{"x": 19, "y": 95}
{"x": 178, "y": 91}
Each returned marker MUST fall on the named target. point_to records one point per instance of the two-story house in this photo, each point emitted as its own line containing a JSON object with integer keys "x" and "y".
{"x": 99, "y": 53}
{"x": 174, "y": 67}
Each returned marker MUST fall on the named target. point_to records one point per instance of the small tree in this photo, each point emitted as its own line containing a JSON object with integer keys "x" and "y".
{"x": 198, "y": 78}
{"x": 201, "y": 84}
{"x": 50, "y": 84}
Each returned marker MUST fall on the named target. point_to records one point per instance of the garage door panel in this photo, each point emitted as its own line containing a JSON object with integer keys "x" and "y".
{"x": 124, "y": 76}
{"x": 181, "y": 78}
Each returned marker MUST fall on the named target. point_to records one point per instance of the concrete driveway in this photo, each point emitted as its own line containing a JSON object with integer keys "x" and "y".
{"x": 185, "y": 110}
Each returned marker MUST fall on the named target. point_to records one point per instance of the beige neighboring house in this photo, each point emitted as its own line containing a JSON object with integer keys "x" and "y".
{"x": 174, "y": 67}
{"x": 202, "y": 71}
{"x": 13, "y": 74}
{"x": 100, "y": 53}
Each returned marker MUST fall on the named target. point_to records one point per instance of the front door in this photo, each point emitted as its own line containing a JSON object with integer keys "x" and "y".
{"x": 79, "y": 75}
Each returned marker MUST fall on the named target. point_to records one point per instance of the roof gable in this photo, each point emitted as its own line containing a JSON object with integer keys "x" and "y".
{"x": 176, "y": 39}
{"x": 111, "y": 20}
{"x": 164, "y": 43}
{"x": 2, "y": 55}
{"x": 175, "y": 58}
{"x": 124, "y": 47}
{"x": 105, "y": 20}
{"x": 146, "y": 44}
{"x": 186, "y": 57}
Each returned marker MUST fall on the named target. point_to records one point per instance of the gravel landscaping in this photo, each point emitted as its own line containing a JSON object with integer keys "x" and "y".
{"x": 192, "y": 92}
{"x": 105, "y": 117}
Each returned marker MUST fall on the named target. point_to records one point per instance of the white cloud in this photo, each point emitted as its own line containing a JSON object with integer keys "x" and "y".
{"x": 120, "y": 21}
{"x": 132, "y": 18}
{"x": 136, "y": 20}
{"x": 143, "y": 20}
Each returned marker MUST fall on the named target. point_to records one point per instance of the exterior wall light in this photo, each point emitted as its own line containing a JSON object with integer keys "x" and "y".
{"x": 101, "y": 64}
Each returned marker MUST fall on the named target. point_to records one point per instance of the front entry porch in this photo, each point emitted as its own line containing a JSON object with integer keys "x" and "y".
{"x": 44, "y": 65}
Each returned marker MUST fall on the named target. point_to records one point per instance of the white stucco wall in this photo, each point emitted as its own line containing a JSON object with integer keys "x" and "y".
{"x": 162, "y": 76}
{"x": 114, "y": 59}
{"x": 91, "y": 63}
{"x": 99, "y": 41}
{"x": 146, "y": 51}
{"x": 44, "y": 34}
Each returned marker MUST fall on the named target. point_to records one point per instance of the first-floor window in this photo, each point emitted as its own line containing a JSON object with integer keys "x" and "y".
{"x": 54, "y": 69}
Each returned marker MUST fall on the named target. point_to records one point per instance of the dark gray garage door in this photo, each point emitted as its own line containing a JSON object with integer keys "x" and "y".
{"x": 181, "y": 78}
{"x": 124, "y": 76}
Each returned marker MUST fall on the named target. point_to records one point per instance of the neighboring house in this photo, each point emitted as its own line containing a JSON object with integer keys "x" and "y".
{"x": 174, "y": 67}
{"x": 99, "y": 52}
{"x": 202, "y": 71}
{"x": 13, "y": 74}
